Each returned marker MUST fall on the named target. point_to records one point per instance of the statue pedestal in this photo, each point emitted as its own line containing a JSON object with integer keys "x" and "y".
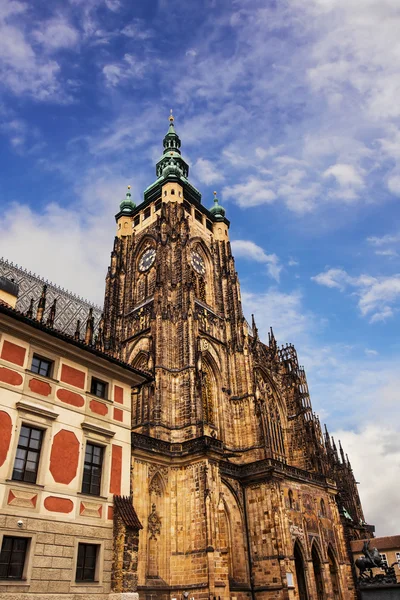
{"x": 380, "y": 592}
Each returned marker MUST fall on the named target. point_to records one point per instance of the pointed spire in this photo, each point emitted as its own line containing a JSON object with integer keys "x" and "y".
{"x": 342, "y": 453}
{"x": 327, "y": 439}
{"x": 52, "y": 314}
{"x": 41, "y": 305}
{"x": 89, "y": 328}
{"x": 100, "y": 333}
{"x": 335, "y": 452}
{"x": 77, "y": 334}
{"x": 29, "y": 312}
{"x": 217, "y": 210}
{"x": 348, "y": 462}
{"x": 272, "y": 341}
{"x": 254, "y": 327}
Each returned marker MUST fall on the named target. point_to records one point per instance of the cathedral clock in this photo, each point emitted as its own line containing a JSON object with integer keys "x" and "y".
{"x": 147, "y": 259}
{"x": 198, "y": 263}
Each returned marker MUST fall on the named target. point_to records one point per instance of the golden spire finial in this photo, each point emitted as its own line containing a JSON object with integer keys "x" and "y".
{"x": 215, "y": 193}
{"x": 129, "y": 187}
{"x": 171, "y": 116}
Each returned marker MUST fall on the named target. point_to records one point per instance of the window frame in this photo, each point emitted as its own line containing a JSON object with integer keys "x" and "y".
{"x": 49, "y": 374}
{"x": 96, "y": 380}
{"x": 146, "y": 213}
{"x": 38, "y": 452}
{"x": 30, "y": 552}
{"x": 84, "y": 546}
{"x": 99, "y": 569}
{"x": 92, "y": 464}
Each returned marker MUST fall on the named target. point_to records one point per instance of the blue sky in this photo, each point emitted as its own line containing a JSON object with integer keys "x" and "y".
{"x": 290, "y": 111}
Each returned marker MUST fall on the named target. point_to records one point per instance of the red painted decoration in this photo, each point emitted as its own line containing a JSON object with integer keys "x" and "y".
{"x": 118, "y": 394}
{"x": 73, "y": 376}
{"x": 11, "y": 377}
{"x": 70, "y": 398}
{"x": 110, "y": 512}
{"x": 13, "y": 353}
{"x": 5, "y": 435}
{"x": 116, "y": 470}
{"x": 118, "y": 414}
{"x": 98, "y": 407}
{"x": 61, "y": 505}
{"x": 64, "y": 456}
{"x": 40, "y": 387}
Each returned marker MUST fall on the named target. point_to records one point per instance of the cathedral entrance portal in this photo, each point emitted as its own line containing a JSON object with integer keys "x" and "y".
{"x": 300, "y": 578}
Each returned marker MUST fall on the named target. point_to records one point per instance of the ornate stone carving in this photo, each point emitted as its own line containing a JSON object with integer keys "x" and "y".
{"x": 154, "y": 523}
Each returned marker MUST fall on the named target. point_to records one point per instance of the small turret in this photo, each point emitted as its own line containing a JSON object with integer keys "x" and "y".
{"x": 125, "y": 215}
{"x": 127, "y": 206}
{"x": 217, "y": 210}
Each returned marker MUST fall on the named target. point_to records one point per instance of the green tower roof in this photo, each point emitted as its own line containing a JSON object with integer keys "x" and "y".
{"x": 217, "y": 210}
{"x": 127, "y": 206}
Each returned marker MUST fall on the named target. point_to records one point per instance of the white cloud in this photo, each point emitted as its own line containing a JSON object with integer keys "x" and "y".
{"x": 394, "y": 185}
{"x": 130, "y": 68}
{"x": 388, "y": 238}
{"x": 56, "y": 33}
{"x": 378, "y": 296}
{"x": 370, "y": 352}
{"x": 345, "y": 175}
{"x": 253, "y": 192}
{"x": 23, "y": 70}
{"x": 284, "y": 312}
{"x": 374, "y": 452}
{"x": 250, "y": 250}
{"x": 207, "y": 172}
{"x": 137, "y": 30}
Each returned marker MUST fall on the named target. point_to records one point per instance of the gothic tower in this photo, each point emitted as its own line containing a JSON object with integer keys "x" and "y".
{"x": 232, "y": 479}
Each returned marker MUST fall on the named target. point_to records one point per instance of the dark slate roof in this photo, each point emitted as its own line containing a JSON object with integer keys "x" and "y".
{"x": 8, "y": 285}
{"x": 124, "y": 507}
{"x": 18, "y": 316}
{"x": 70, "y": 307}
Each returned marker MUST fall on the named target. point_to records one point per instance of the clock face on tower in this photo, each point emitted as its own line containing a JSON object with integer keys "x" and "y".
{"x": 198, "y": 263}
{"x": 147, "y": 259}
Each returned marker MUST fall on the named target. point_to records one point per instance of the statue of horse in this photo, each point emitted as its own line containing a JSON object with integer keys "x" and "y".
{"x": 370, "y": 560}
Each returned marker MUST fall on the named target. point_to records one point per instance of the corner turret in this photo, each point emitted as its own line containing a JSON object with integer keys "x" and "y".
{"x": 125, "y": 215}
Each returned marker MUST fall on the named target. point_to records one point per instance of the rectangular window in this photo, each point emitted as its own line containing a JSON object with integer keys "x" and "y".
{"x": 384, "y": 559}
{"x": 12, "y": 557}
{"x": 136, "y": 221}
{"x": 86, "y": 562}
{"x": 41, "y": 366}
{"x": 28, "y": 453}
{"x": 398, "y": 559}
{"x": 208, "y": 225}
{"x": 198, "y": 216}
{"x": 157, "y": 206}
{"x": 98, "y": 388}
{"x": 146, "y": 213}
{"x": 91, "y": 482}
{"x": 187, "y": 206}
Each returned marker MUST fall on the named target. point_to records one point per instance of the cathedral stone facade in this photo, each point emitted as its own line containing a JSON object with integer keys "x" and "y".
{"x": 239, "y": 493}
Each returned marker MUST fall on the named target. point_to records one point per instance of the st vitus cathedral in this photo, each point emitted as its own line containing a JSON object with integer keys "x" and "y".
{"x": 239, "y": 493}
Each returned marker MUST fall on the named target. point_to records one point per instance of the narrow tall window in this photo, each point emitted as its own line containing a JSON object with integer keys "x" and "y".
{"x": 41, "y": 366}
{"x": 12, "y": 557}
{"x": 91, "y": 482}
{"x": 86, "y": 563}
{"x": 28, "y": 453}
{"x": 98, "y": 388}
